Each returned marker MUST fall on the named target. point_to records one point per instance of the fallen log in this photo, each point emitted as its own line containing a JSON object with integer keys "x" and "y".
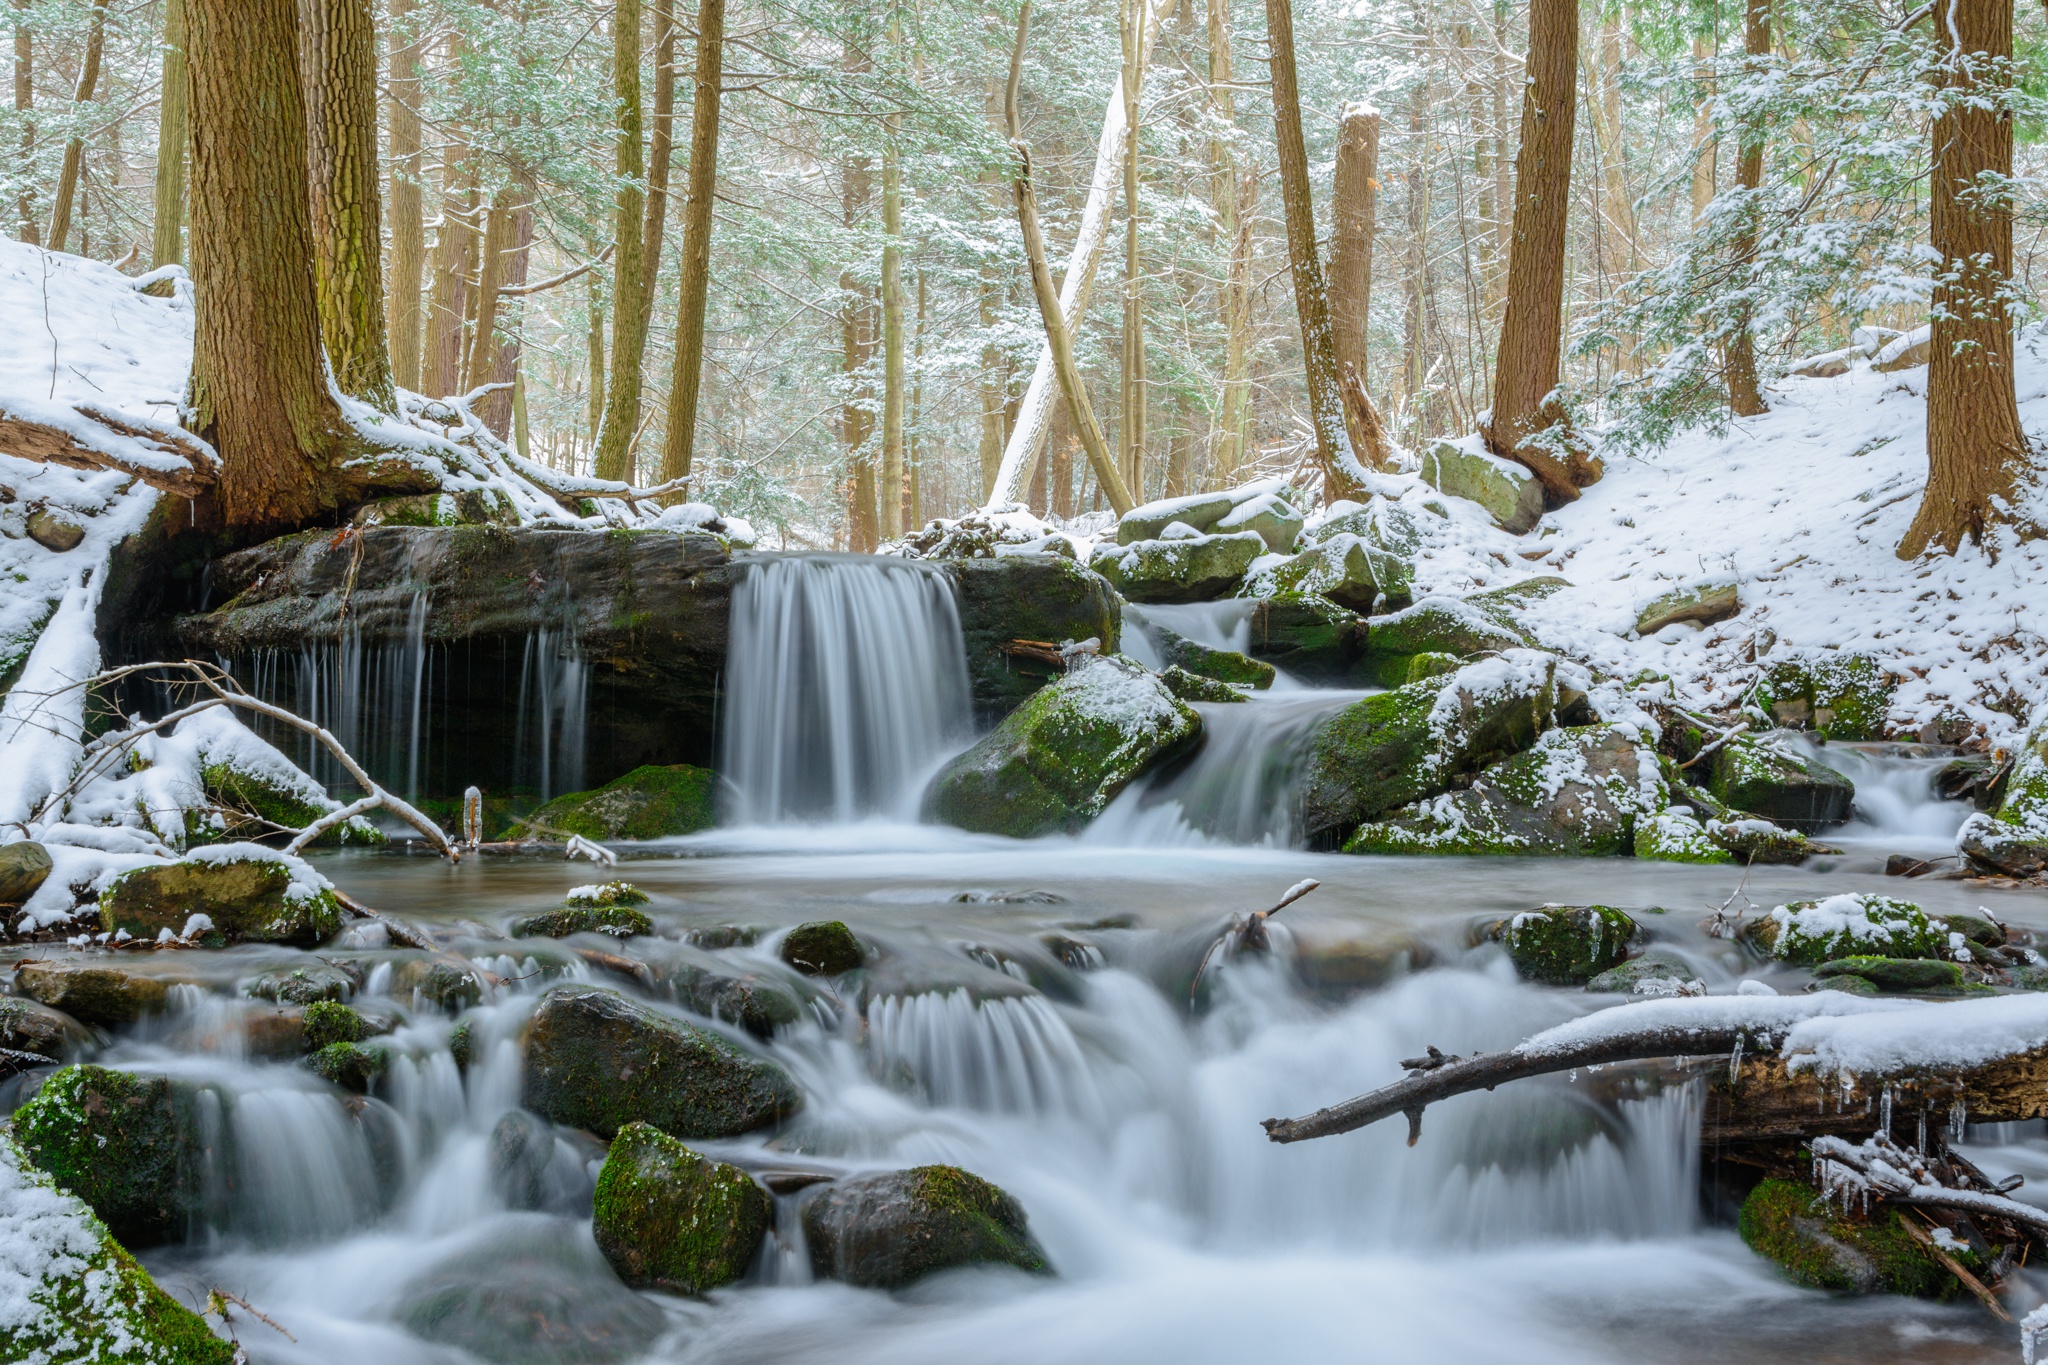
{"x": 165, "y": 457}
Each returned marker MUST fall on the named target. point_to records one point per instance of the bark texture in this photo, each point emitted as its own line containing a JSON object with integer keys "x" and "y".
{"x": 408, "y": 220}
{"x": 1233, "y": 224}
{"x": 167, "y": 234}
{"x": 1133, "y": 396}
{"x": 1354, "y": 219}
{"x": 24, "y": 108}
{"x": 1744, "y": 397}
{"x": 614, "y": 458}
{"x": 74, "y": 150}
{"x": 891, "y": 492}
{"x": 686, "y": 379}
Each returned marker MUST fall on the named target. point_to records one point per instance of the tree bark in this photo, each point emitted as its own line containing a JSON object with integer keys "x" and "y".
{"x": 1526, "y": 370}
{"x": 859, "y": 325}
{"x": 1744, "y": 397}
{"x": 1326, "y": 412}
{"x": 1233, "y": 227}
{"x": 24, "y": 109}
{"x": 451, "y": 267}
{"x": 1132, "y": 398}
{"x": 497, "y": 347}
{"x": 593, "y": 346}
{"x": 1705, "y": 147}
{"x": 1354, "y": 219}
{"x": 1977, "y": 456}
{"x": 167, "y": 229}
{"x": 892, "y": 489}
{"x": 408, "y": 222}
{"x": 74, "y": 149}
{"x": 614, "y": 457}
{"x": 679, "y": 439}
{"x": 1414, "y": 333}
{"x": 339, "y": 61}
{"x": 660, "y": 144}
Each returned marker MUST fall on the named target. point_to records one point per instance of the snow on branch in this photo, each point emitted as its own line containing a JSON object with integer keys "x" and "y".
{"x": 84, "y": 436}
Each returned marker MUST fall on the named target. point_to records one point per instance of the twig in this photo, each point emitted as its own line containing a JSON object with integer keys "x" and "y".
{"x": 218, "y": 1299}
{"x": 1741, "y": 727}
{"x": 1249, "y": 930}
{"x": 1956, "y": 1268}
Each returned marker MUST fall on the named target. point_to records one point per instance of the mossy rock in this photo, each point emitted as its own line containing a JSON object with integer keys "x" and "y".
{"x": 619, "y": 921}
{"x": 1567, "y": 945}
{"x": 249, "y": 900}
{"x": 1976, "y": 929}
{"x": 1998, "y": 846}
{"x": 1751, "y": 840}
{"x": 1839, "y": 696}
{"x": 94, "y": 994}
{"x": 279, "y": 803}
{"x": 1676, "y": 836}
{"x": 822, "y": 948}
{"x": 888, "y": 1230}
{"x": 1430, "y": 665}
{"x": 1343, "y": 569}
{"x": 1223, "y": 665}
{"x": 1809, "y": 933}
{"x": 1383, "y": 524}
{"x": 327, "y": 1022}
{"x": 442, "y": 980}
{"x": 75, "y": 1294}
{"x": 1271, "y": 516}
{"x": 1705, "y": 602}
{"x": 303, "y": 985}
{"x": 597, "y": 1060}
{"x": 1314, "y": 640}
{"x": 1789, "y": 1225}
{"x": 1436, "y": 625}
{"x": 349, "y": 1065}
{"x": 125, "y": 1144}
{"x": 1764, "y": 779}
{"x": 650, "y": 802}
{"x": 1646, "y": 975}
{"x": 1061, "y": 757}
{"x": 609, "y": 893}
{"x": 24, "y": 867}
{"x": 1026, "y": 597}
{"x": 1193, "y": 687}
{"x": 1848, "y": 985}
{"x": 27, "y": 1026}
{"x": 1197, "y": 569}
{"x": 759, "y": 1002}
{"x": 669, "y": 1218}
{"x": 1198, "y": 510}
{"x": 1899, "y": 975}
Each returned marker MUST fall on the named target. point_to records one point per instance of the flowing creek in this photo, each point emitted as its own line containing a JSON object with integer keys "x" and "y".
{"x": 1550, "y": 1221}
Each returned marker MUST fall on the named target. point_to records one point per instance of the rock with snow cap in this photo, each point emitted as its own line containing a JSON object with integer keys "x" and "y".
{"x": 1509, "y": 492}
{"x": 1808, "y": 933}
{"x": 1197, "y": 568}
{"x": 1706, "y": 602}
{"x": 248, "y": 894}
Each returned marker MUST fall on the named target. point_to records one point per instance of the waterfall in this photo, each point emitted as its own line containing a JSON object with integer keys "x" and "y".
{"x": 845, "y": 685}
{"x": 1897, "y": 804}
{"x": 554, "y": 685}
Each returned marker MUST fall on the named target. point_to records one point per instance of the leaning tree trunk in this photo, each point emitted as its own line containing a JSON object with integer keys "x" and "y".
{"x": 340, "y": 63}
{"x": 1744, "y": 397}
{"x": 74, "y": 150}
{"x": 686, "y": 379}
{"x": 1325, "y": 403}
{"x": 1977, "y": 456}
{"x": 408, "y": 219}
{"x": 259, "y": 390}
{"x": 167, "y": 231}
{"x": 1132, "y": 373}
{"x": 1526, "y": 370}
{"x": 629, "y": 278}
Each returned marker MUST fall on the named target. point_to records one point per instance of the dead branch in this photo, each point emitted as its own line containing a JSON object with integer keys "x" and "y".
{"x": 1247, "y": 933}
{"x": 47, "y": 444}
{"x": 1043, "y": 651}
{"x": 400, "y": 933}
{"x": 552, "y": 281}
{"x": 624, "y": 966}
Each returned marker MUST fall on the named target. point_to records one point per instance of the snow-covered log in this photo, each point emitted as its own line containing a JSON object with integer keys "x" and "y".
{"x": 84, "y": 436}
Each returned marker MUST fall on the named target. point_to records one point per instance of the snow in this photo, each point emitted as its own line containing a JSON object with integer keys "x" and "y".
{"x": 1776, "y": 1015}
{"x": 49, "y": 1240}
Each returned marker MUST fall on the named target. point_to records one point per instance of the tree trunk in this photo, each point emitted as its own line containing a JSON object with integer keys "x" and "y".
{"x": 1744, "y": 398}
{"x": 495, "y": 345}
{"x": 1354, "y": 214}
{"x": 859, "y": 322}
{"x": 593, "y": 346}
{"x": 167, "y": 231}
{"x": 1977, "y": 456}
{"x": 1132, "y": 398}
{"x": 339, "y": 61}
{"x": 1326, "y": 411}
{"x": 454, "y": 251}
{"x": 1233, "y": 226}
{"x": 1619, "y": 212}
{"x": 1505, "y": 78}
{"x": 24, "y": 109}
{"x": 408, "y": 223}
{"x": 1414, "y": 335}
{"x": 1705, "y": 147}
{"x": 660, "y": 145}
{"x": 679, "y": 439}
{"x": 914, "y": 471}
{"x": 74, "y": 149}
{"x": 614, "y": 457}
{"x": 1059, "y": 463}
{"x": 1526, "y": 371}
{"x": 261, "y": 396}
{"x": 891, "y": 491}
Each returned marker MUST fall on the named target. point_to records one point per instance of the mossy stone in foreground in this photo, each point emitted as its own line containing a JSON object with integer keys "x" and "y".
{"x": 124, "y": 1144}
{"x": 822, "y": 948}
{"x": 249, "y": 900}
{"x": 620, "y": 921}
{"x": 1898, "y": 973}
{"x": 1194, "y": 687}
{"x": 596, "y": 1060}
{"x": 668, "y": 1218}
{"x": 1787, "y": 1223}
{"x": 327, "y": 1022}
{"x": 884, "y": 1231}
{"x": 651, "y": 802}
{"x": 94, "y": 994}
{"x": 242, "y": 789}
{"x": 1808, "y": 933}
{"x": 1567, "y": 945}
{"x": 1764, "y": 779}
{"x": 349, "y": 1065}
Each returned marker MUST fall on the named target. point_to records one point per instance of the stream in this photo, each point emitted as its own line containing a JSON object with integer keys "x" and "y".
{"x": 1552, "y": 1221}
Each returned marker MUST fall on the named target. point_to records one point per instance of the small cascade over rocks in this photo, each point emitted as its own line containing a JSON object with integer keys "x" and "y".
{"x": 847, "y": 684}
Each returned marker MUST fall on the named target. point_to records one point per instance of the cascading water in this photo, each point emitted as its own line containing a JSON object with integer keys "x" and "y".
{"x": 846, "y": 684}
{"x": 1897, "y": 803}
{"x": 554, "y": 684}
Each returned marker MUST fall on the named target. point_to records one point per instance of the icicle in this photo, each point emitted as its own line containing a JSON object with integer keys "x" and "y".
{"x": 1884, "y": 1123}
{"x": 1735, "y": 1060}
{"x": 1957, "y": 1116}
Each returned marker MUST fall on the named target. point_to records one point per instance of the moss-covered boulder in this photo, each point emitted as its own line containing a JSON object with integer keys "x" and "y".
{"x": 26, "y": 1026}
{"x": 822, "y": 948}
{"x": 1343, "y": 569}
{"x": 250, "y": 895}
{"x": 1194, "y": 687}
{"x": 1749, "y": 840}
{"x": 1508, "y": 491}
{"x": 1026, "y": 597}
{"x": 1566, "y": 945}
{"x": 303, "y": 985}
{"x": 1675, "y": 835}
{"x": 1899, "y": 975}
{"x": 275, "y": 794}
{"x": 1650, "y": 975}
{"x": 718, "y": 988}
{"x": 1398, "y": 747}
{"x": 1313, "y": 639}
{"x": 650, "y": 802}
{"x": 1224, "y": 665}
{"x": 89, "y": 991}
{"x": 1808, "y": 933}
{"x": 669, "y": 1218}
{"x": 1822, "y": 1247}
{"x": 73, "y": 1294}
{"x": 125, "y": 1144}
{"x": 434, "y": 980}
{"x": 1707, "y": 601}
{"x": 1838, "y": 695}
{"x": 1436, "y": 625}
{"x": 1995, "y": 846}
{"x": 326, "y": 1022}
{"x": 1200, "y": 511}
{"x": 887, "y": 1230}
{"x": 597, "y": 1060}
{"x": 1764, "y": 778}
{"x": 1195, "y": 568}
{"x": 24, "y": 867}
{"x": 349, "y": 1065}
{"x": 1062, "y": 756}
{"x": 1576, "y": 793}
{"x": 1269, "y": 515}
{"x": 619, "y": 921}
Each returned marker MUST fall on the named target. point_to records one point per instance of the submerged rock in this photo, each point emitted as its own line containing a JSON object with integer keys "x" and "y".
{"x": 597, "y": 1060}
{"x": 619, "y": 921}
{"x": 887, "y": 1230}
{"x": 304, "y": 985}
{"x": 1899, "y": 974}
{"x": 1841, "y": 696}
{"x": 522, "y": 1148}
{"x": 650, "y": 802}
{"x": 822, "y": 948}
{"x": 1059, "y": 759}
{"x": 125, "y": 1144}
{"x": 1808, "y": 933}
{"x": 719, "y": 989}
{"x": 1765, "y": 779}
{"x": 88, "y": 991}
{"x": 1567, "y": 945}
{"x": 1649, "y": 975}
{"x": 1194, "y": 568}
{"x": 24, "y": 867}
{"x": 26, "y": 1026}
{"x": 1790, "y": 1225}
{"x": 74, "y": 1294}
{"x": 669, "y": 1218}
{"x": 249, "y": 898}
{"x": 1221, "y": 664}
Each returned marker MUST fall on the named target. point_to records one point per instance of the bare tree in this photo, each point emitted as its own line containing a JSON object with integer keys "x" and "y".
{"x": 74, "y": 149}
{"x": 1744, "y": 397}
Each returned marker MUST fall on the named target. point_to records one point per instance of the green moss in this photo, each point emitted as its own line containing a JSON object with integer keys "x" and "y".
{"x": 668, "y": 1218}
{"x": 617, "y": 920}
{"x": 237, "y": 789}
{"x": 1316, "y": 641}
{"x": 249, "y": 900}
{"x": 1430, "y": 665}
{"x": 122, "y": 1143}
{"x": 1436, "y": 625}
{"x": 1675, "y": 836}
{"x": 887, "y": 1230}
{"x": 1898, "y": 973}
{"x": 1763, "y": 779}
{"x": 606, "y": 894}
{"x": 1786, "y": 1223}
{"x": 822, "y": 948}
{"x": 349, "y": 1065}
{"x": 650, "y": 802}
{"x": 327, "y": 1022}
{"x": 1221, "y": 664}
{"x": 1808, "y": 933}
{"x": 1842, "y": 696}
{"x": 1567, "y": 945}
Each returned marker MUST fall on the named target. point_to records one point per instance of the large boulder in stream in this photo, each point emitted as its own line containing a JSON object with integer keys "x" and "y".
{"x": 26, "y": 1026}
{"x": 1765, "y": 777}
{"x": 596, "y": 1060}
{"x": 1181, "y": 566}
{"x": 1809, "y": 933}
{"x": 234, "y": 893}
{"x": 1462, "y": 628}
{"x": 2013, "y": 839}
{"x": 1060, "y": 758}
{"x": 886, "y": 1230}
{"x": 1026, "y": 597}
{"x": 654, "y": 801}
{"x": 127, "y": 1145}
{"x": 1821, "y": 1246}
{"x": 90, "y": 990}
{"x": 1397, "y": 747}
{"x": 1566, "y": 945}
{"x": 669, "y": 1218}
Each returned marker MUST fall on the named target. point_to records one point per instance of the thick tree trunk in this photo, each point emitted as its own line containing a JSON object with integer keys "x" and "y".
{"x": 24, "y": 109}
{"x": 262, "y": 397}
{"x": 1059, "y": 463}
{"x": 74, "y": 150}
{"x": 994, "y": 381}
{"x": 1233, "y": 228}
{"x": 451, "y": 267}
{"x": 679, "y": 440}
{"x": 167, "y": 231}
{"x": 1744, "y": 397}
{"x": 660, "y": 144}
{"x": 339, "y": 61}
{"x": 1705, "y": 147}
{"x": 859, "y": 327}
{"x": 614, "y": 457}
{"x": 495, "y": 346}
{"x": 1977, "y": 457}
{"x": 408, "y": 221}
{"x": 1132, "y": 398}
{"x": 1325, "y": 403}
{"x": 1354, "y": 219}
{"x": 1526, "y": 371}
